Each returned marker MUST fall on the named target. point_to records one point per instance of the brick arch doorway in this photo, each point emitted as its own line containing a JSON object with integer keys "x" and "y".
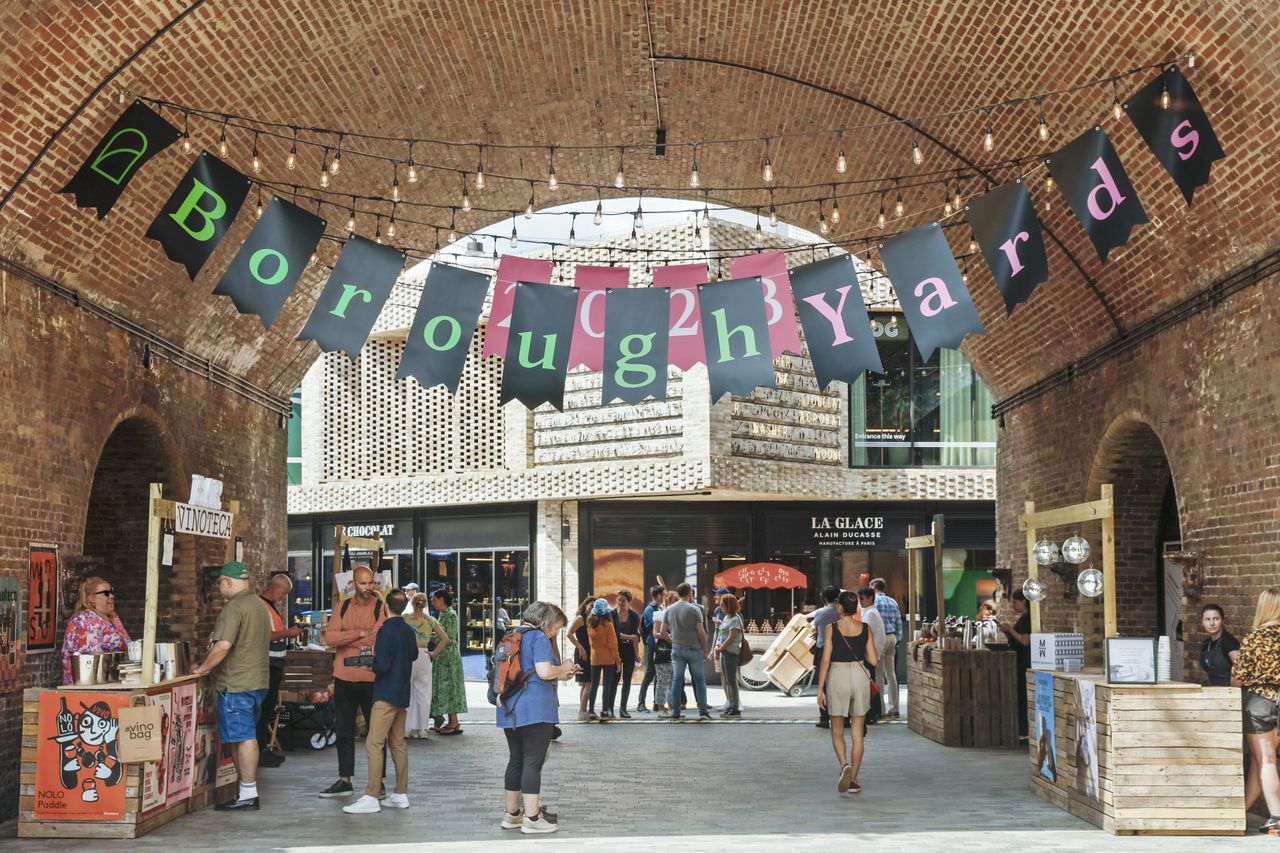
{"x": 1131, "y": 457}
{"x": 137, "y": 453}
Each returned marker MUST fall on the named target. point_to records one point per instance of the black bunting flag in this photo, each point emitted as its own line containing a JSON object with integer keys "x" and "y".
{"x": 1005, "y": 226}
{"x": 196, "y": 217}
{"x": 635, "y": 344}
{"x": 1093, "y": 180}
{"x": 1180, "y": 136}
{"x": 138, "y": 135}
{"x": 930, "y": 288}
{"x": 735, "y": 330}
{"x": 357, "y": 288}
{"x": 440, "y": 338}
{"x": 271, "y": 260}
{"x": 537, "y": 358}
{"x": 834, "y": 319}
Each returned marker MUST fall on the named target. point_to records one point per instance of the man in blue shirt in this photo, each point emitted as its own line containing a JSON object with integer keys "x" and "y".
{"x": 656, "y": 592}
{"x": 886, "y": 672}
{"x": 396, "y": 648}
{"x": 821, "y": 618}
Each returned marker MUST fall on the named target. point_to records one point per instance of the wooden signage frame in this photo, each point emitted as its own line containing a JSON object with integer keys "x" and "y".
{"x": 915, "y": 582}
{"x": 1102, "y": 510}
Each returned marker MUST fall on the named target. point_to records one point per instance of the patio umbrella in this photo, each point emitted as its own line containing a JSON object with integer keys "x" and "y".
{"x": 761, "y": 576}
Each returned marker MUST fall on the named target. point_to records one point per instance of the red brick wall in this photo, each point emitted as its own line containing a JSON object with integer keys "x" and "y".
{"x": 68, "y": 381}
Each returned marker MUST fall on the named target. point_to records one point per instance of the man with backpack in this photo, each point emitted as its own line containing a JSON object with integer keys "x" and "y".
{"x": 646, "y": 633}
{"x": 397, "y": 649}
{"x": 351, "y": 631}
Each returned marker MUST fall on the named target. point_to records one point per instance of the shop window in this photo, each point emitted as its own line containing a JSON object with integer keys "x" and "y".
{"x": 935, "y": 412}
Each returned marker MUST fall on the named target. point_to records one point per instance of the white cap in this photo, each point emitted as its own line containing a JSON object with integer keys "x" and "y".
{"x": 411, "y": 586}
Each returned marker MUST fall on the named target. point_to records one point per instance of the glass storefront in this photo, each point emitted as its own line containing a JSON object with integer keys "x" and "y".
{"x": 935, "y": 412}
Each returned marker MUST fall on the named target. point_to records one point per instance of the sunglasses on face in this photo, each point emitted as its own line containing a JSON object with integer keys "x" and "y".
{"x": 110, "y": 592}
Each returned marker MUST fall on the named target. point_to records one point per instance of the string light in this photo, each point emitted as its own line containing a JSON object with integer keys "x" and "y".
{"x": 123, "y": 93}
{"x": 186, "y": 134}
{"x": 552, "y": 183}
{"x": 1191, "y": 62}
{"x": 453, "y": 229}
{"x": 835, "y": 208}
{"x": 391, "y": 226}
{"x": 258, "y": 212}
{"x": 291, "y": 162}
{"x": 898, "y": 207}
{"x": 917, "y": 156}
{"x": 988, "y": 138}
{"x": 599, "y": 217}
{"x": 823, "y": 227}
{"x": 324, "y": 170}
{"x": 773, "y": 211}
{"x": 377, "y": 230}
{"x": 620, "y": 179}
{"x": 395, "y": 181}
{"x": 466, "y": 199}
{"x": 412, "y": 167}
{"x": 1117, "y": 109}
{"x": 515, "y": 239}
{"x": 964, "y": 270}
{"x": 633, "y": 241}
{"x": 638, "y": 219}
{"x": 573, "y": 232}
{"x": 842, "y": 164}
{"x": 693, "y": 170}
{"x": 495, "y": 248}
{"x": 222, "y": 140}
{"x": 881, "y": 219}
{"x": 1165, "y": 99}
{"x": 336, "y": 163}
{"x": 257, "y": 159}
{"x": 973, "y": 244}
{"x": 766, "y": 168}
{"x": 957, "y": 200}
{"x": 759, "y": 238}
{"x": 528, "y": 208}
{"x": 1042, "y": 128}
{"x": 705, "y": 220}
{"x": 351, "y": 218}
{"x": 480, "y": 169}
{"x": 947, "y": 208}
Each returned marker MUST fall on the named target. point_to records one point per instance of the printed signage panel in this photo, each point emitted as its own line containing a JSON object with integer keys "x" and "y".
{"x": 79, "y": 775}
{"x": 202, "y": 521}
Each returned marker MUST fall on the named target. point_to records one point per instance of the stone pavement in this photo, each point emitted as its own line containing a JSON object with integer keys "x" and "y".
{"x": 758, "y": 784}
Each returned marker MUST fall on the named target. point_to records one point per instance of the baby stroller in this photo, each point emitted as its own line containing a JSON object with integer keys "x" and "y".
{"x": 306, "y": 698}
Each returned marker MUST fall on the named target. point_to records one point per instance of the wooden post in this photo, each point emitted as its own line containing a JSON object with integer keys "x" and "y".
{"x": 1108, "y": 564}
{"x": 152, "y": 602}
{"x": 912, "y": 588}
{"x": 1033, "y": 568}
{"x": 938, "y": 535}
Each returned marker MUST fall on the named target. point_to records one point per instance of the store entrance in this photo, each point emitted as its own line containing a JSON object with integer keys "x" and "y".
{"x": 492, "y": 591}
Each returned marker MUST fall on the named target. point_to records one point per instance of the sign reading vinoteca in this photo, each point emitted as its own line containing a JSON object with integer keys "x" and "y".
{"x": 202, "y": 521}
{"x": 846, "y": 529}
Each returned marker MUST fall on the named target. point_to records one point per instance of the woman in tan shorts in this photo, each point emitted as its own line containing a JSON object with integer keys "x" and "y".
{"x": 844, "y": 687}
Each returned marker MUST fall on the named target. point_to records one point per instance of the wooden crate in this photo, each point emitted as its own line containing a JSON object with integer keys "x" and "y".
{"x": 1169, "y": 758}
{"x": 963, "y": 697}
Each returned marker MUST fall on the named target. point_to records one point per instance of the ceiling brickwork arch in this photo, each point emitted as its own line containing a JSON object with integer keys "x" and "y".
{"x": 564, "y": 72}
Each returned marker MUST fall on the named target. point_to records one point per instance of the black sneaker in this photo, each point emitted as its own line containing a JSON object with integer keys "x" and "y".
{"x": 556, "y": 732}
{"x": 269, "y": 759}
{"x": 624, "y": 715}
{"x": 338, "y": 789}
{"x": 641, "y": 709}
{"x": 730, "y": 714}
{"x": 704, "y": 715}
{"x": 822, "y": 724}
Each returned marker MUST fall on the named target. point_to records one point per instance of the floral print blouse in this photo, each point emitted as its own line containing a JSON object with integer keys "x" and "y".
{"x": 1258, "y": 666}
{"x": 90, "y": 633}
{"x": 424, "y": 627}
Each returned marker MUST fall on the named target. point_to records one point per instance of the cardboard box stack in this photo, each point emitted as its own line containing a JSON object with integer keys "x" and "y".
{"x": 790, "y": 656}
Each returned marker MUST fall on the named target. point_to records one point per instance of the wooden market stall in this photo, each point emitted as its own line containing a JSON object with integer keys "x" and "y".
{"x": 73, "y": 781}
{"x": 1161, "y": 758}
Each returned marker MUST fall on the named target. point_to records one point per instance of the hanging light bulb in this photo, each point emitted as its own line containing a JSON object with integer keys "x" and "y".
{"x": 466, "y": 199}
{"x": 573, "y": 233}
{"x": 1191, "y": 62}
{"x": 186, "y": 133}
{"x": 1048, "y": 181}
{"x": 395, "y": 182}
{"x": 957, "y": 200}
{"x": 947, "y": 207}
{"x": 515, "y": 239}
{"x": 842, "y": 164}
{"x": 258, "y": 211}
{"x": 123, "y": 93}
{"x": 633, "y": 240}
{"x": 620, "y": 179}
{"x": 705, "y": 219}
{"x": 759, "y": 238}
{"x": 453, "y": 229}
{"x": 1165, "y": 99}
{"x": 351, "y": 219}
{"x": 222, "y": 140}
{"x": 528, "y": 208}
{"x": 324, "y": 170}
{"x": 638, "y": 219}
{"x": 336, "y": 163}
{"x": 835, "y": 211}
{"x": 1042, "y": 128}
{"x": 552, "y": 183}
{"x": 917, "y": 156}
{"x": 964, "y": 271}
{"x": 898, "y": 207}
{"x": 773, "y": 215}
{"x": 480, "y": 172}
{"x": 694, "y": 182}
{"x": 291, "y": 162}
{"x": 599, "y": 217}
{"x": 377, "y": 231}
{"x": 391, "y": 226}
{"x": 988, "y": 139}
{"x": 973, "y": 245}
{"x": 413, "y": 167}
{"x": 1117, "y": 109}
{"x": 697, "y": 231}
{"x": 881, "y": 219}
{"x": 257, "y": 160}
{"x": 823, "y": 227}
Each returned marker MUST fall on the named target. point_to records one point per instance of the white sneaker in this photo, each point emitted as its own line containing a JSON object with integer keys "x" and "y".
{"x": 512, "y": 821}
{"x": 397, "y": 801}
{"x": 539, "y": 826}
{"x": 364, "y": 805}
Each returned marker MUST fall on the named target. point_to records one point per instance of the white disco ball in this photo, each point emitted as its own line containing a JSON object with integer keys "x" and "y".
{"x": 1034, "y": 589}
{"x": 1076, "y": 549}
{"x": 1090, "y": 582}
{"x": 1046, "y": 552}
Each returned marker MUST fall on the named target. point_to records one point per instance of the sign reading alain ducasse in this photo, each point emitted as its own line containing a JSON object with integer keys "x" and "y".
{"x": 79, "y": 775}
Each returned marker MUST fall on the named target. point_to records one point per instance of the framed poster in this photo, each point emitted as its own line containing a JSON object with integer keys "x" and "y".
{"x": 206, "y": 756}
{"x": 1086, "y": 740}
{"x": 42, "y": 598}
{"x": 1131, "y": 660}
{"x": 182, "y": 743}
{"x": 155, "y": 774}
{"x": 79, "y": 775}
{"x": 1046, "y": 738}
{"x": 10, "y": 621}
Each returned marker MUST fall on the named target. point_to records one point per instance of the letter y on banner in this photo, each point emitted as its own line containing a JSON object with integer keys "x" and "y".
{"x": 1181, "y": 137}
{"x": 834, "y": 317}
{"x": 939, "y": 309}
{"x": 542, "y": 317}
{"x": 436, "y": 352}
{"x": 1005, "y": 225}
{"x": 635, "y": 344}
{"x": 196, "y": 217}
{"x": 357, "y": 288}
{"x": 138, "y": 135}
{"x": 1093, "y": 180}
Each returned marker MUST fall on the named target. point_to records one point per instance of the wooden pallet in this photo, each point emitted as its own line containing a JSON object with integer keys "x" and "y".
{"x": 963, "y": 697}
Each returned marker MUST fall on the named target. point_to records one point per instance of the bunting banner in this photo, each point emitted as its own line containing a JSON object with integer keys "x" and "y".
{"x": 772, "y": 269}
{"x": 684, "y": 330}
{"x": 511, "y": 268}
{"x": 923, "y": 273}
{"x": 196, "y": 217}
{"x": 836, "y": 326}
{"x": 440, "y": 337}
{"x": 271, "y": 260}
{"x": 736, "y": 336}
{"x": 1004, "y": 224}
{"x": 587, "y": 349}
{"x": 635, "y": 344}
{"x": 1093, "y": 180}
{"x": 139, "y": 134}
{"x": 537, "y": 357}
{"x": 1181, "y": 137}
{"x": 357, "y": 288}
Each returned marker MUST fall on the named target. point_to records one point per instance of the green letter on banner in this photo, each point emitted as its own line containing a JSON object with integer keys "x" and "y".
{"x": 349, "y": 292}
{"x": 191, "y": 204}
{"x": 255, "y": 266}
{"x": 723, "y": 334}
{"x": 627, "y": 345}
{"x": 547, "y": 362}
{"x": 429, "y": 333}
{"x": 109, "y": 150}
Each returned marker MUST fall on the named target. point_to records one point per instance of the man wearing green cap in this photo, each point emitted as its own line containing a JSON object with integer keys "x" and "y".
{"x": 238, "y": 661}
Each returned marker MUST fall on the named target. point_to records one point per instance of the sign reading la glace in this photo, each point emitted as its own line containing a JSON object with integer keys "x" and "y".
{"x": 847, "y": 529}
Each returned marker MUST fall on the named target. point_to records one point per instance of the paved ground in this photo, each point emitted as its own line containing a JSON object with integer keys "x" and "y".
{"x": 762, "y": 783}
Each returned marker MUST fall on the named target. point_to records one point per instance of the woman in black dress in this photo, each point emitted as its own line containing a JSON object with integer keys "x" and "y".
{"x": 582, "y": 653}
{"x": 627, "y": 623}
{"x": 1220, "y": 649}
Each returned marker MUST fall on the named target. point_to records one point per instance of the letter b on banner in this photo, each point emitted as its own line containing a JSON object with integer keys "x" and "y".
{"x": 198, "y": 213}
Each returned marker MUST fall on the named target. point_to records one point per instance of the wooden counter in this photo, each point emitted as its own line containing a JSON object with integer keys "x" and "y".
{"x": 1169, "y": 757}
{"x": 100, "y": 804}
{"x": 963, "y": 697}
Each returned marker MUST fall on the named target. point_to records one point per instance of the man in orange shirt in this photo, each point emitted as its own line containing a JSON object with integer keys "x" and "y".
{"x": 351, "y": 631}
{"x": 277, "y": 590}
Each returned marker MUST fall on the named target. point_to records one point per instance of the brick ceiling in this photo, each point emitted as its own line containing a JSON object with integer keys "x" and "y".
{"x": 573, "y": 72}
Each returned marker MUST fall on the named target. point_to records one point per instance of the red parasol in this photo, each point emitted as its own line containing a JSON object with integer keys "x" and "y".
{"x": 761, "y": 576}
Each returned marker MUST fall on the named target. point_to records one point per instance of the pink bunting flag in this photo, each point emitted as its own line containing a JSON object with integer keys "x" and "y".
{"x": 511, "y": 268}
{"x": 685, "y": 348}
{"x": 779, "y": 306}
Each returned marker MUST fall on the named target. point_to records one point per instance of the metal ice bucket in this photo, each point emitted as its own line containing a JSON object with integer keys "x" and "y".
{"x": 95, "y": 669}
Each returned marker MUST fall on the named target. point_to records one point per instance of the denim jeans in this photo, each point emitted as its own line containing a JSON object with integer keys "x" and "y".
{"x": 650, "y": 670}
{"x": 690, "y": 657}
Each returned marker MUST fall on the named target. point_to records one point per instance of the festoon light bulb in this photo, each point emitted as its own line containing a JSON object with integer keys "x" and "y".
{"x": 917, "y": 156}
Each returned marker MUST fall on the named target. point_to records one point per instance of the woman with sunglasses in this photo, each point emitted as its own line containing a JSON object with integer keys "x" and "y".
{"x": 95, "y": 627}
